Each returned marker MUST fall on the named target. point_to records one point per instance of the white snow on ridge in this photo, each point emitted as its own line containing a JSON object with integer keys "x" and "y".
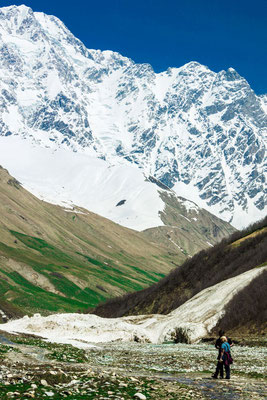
{"x": 195, "y": 319}
{"x": 204, "y": 129}
{"x": 240, "y": 220}
{"x": 67, "y": 178}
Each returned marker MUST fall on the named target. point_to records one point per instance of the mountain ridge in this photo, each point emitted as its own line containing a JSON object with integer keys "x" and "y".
{"x": 197, "y": 131}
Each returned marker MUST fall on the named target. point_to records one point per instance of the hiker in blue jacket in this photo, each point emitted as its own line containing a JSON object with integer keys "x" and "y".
{"x": 225, "y": 357}
{"x": 218, "y": 345}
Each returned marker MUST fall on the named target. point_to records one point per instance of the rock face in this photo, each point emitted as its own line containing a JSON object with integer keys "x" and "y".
{"x": 197, "y": 131}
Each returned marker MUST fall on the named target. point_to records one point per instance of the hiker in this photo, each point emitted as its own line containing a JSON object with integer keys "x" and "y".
{"x": 225, "y": 357}
{"x": 218, "y": 344}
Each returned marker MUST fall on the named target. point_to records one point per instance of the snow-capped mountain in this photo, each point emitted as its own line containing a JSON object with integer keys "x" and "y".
{"x": 197, "y": 131}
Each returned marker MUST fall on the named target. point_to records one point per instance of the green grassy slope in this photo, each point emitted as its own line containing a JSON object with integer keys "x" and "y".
{"x": 54, "y": 260}
{"x": 239, "y": 253}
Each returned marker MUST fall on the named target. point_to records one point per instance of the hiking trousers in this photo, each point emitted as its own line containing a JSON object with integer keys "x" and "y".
{"x": 227, "y": 371}
{"x": 219, "y": 369}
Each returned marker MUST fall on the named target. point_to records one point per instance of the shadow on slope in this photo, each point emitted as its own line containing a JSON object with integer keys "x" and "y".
{"x": 241, "y": 252}
{"x": 247, "y": 311}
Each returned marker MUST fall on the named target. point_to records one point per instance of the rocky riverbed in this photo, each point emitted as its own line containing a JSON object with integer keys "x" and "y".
{"x": 33, "y": 368}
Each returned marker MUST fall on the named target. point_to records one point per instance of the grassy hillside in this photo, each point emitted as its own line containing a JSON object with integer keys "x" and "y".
{"x": 54, "y": 260}
{"x": 241, "y": 252}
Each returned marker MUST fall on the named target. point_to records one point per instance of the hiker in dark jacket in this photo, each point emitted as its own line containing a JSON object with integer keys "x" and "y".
{"x": 218, "y": 344}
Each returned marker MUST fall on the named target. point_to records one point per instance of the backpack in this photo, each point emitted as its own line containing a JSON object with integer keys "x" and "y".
{"x": 228, "y": 358}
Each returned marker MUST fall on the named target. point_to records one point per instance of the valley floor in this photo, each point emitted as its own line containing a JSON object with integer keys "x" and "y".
{"x": 33, "y": 368}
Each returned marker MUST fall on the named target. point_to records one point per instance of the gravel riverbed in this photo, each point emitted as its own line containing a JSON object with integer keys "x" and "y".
{"x": 33, "y": 368}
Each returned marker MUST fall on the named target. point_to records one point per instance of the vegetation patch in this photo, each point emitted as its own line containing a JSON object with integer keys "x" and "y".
{"x": 30, "y": 297}
{"x": 59, "y": 352}
{"x": 42, "y": 246}
{"x": 4, "y": 349}
{"x": 50, "y": 261}
{"x": 154, "y": 277}
{"x": 249, "y": 236}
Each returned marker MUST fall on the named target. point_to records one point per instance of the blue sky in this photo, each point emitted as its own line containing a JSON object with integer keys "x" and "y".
{"x": 170, "y": 33}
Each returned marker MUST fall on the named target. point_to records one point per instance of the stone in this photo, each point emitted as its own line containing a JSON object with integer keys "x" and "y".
{"x": 74, "y": 382}
{"x": 33, "y": 386}
{"x": 49, "y": 394}
{"x": 140, "y": 396}
{"x": 44, "y": 382}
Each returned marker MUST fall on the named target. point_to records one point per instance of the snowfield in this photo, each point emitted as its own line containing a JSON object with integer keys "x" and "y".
{"x": 194, "y": 319}
{"x": 67, "y": 178}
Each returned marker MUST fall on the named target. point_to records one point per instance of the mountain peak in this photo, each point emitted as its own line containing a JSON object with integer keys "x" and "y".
{"x": 22, "y": 8}
{"x": 230, "y": 74}
{"x": 22, "y": 21}
{"x": 14, "y": 11}
{"x": 17, "y": 20}
{"x": 194, "y": 66}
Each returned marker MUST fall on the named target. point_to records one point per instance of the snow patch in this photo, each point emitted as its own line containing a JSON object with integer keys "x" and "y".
{"x": 67, "y": 178}
{"x": 185, "y": 217}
